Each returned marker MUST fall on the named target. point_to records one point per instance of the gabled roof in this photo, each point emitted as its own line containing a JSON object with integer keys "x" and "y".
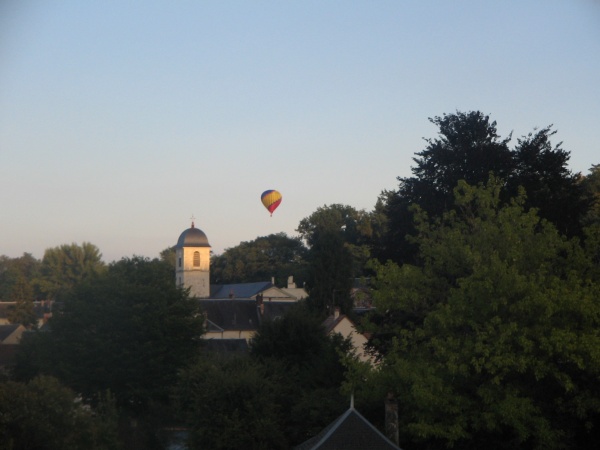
{"x": 238, "y": 290}
{"x": 350, "y": 431}
{"x": 7, "y": 330}
{"x": 331, "y": 322}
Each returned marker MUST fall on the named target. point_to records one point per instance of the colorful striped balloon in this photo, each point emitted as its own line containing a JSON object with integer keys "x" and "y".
{"x": 271, "y": 199}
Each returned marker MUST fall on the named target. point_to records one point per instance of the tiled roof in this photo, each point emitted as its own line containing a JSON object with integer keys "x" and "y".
{"x": 350, "y": 431}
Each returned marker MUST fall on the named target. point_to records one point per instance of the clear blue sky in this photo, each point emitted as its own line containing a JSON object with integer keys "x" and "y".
{"x": 119, "y": 120}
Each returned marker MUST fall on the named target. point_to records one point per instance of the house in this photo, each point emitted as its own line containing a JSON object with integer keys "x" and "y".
{"x": 341, "y": 324}
{"x": 238, "y": 318}
{"x": 10, "y": 336}
{"x": 350, "y": 431}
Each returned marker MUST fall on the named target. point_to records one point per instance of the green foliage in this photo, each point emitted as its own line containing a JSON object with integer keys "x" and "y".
{"x": 45, "y": 414}
{"x": 22, "y": 311}
{"x": 128, "y": 330}
{"x": 541, "y": 169}
{"x": 276, "y": 255}
{"x": 168, "y": 255}
{"x": 591, "y": 186}
{"x": 17, "y": 278}
{"x": 231, "y": 403}
{"x": 310, "y": 363}
{"x": 330, "y": 276}
{"x": 65, "y": 266}
{"x": 357, "y": 229}
{"x": 281, "y": 394}
{"x": 495, "y": 331}
{"x": 469, "y": 148}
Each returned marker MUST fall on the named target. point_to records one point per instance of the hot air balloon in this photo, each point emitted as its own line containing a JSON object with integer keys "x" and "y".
{"x": 271, "y": 199}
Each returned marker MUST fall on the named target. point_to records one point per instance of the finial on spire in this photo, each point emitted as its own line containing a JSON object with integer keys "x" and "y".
{"x": 192, "y": 218}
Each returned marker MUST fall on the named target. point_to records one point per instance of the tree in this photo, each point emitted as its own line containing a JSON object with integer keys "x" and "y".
{"x": 232, "y": 402}
{"x": 45, "y": 414}
{"x": 495, "y": 330}
{"x": 468, "y": 148}
{"x": 17, "y": 277}
{"x": 308, "y": 363}
{"x": 591, "y": 187}
{"x": 276, "y": 255}
{"x": 285, "y": 391}
{"x": 356, "y": 228}
{"x": 23, "y": 311}
{"x": 65, "y": 266}
{"x": 168, "y": 255}
{"x": 550, "y": 187}
{"x": 330, "y": 276}
{"x": 128, "y": 330}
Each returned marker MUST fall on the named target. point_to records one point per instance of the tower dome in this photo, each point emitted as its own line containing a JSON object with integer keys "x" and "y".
{"x": 192, "y": 237}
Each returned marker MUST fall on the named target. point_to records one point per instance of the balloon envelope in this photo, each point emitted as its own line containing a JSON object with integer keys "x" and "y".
{"x": 271, "y": 199}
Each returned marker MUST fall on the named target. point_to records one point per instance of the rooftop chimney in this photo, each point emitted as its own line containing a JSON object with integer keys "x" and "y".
{"x": 336, "y": 312}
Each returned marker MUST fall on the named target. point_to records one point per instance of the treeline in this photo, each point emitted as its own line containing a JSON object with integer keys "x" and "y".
{"x": 485, "y": 273}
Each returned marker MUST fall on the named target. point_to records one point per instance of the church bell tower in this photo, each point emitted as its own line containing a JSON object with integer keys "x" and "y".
{"x": 192, "y": 262}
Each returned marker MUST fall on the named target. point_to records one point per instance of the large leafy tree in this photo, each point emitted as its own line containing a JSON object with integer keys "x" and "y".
{"x": 357, "y": 229}
{"x": 23, "y": 310}
{"x": 17, "y": 277}
{"x": 281, "y": 394}
{"x": 541, "y": 169}
{"x": 128, "y": 330}
{"x": 330, "y": 276}
{"x": 495, "y": 330}
{"x": 591, "y": 186}
{"x": 308, "y": 362}
{"x": 276, "y": 255}
{"x": 232, "y": 402}
{"x": 468, "y": 148}
{"x": 65, "y": 266}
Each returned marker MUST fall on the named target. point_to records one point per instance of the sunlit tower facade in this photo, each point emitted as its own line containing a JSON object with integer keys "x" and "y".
{"x": 192, "y": 262}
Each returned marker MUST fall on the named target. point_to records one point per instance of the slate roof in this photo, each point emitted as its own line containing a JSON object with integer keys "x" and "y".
{"x": 239, "y": 290}
{"x": 331, "y": 322}
{"x": 7, "y": 330}
{"x": 350, "y": 431}
{"x": 236, "y": 314}
{"x": 192, "y": 237}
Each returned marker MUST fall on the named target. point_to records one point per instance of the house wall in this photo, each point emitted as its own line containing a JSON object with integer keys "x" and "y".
{"x": 15, "y": 336}
{"x": 229, "y": 334}
{"x": 347, "y": 329}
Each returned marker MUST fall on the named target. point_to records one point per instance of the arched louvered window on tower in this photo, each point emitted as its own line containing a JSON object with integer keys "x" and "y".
{"x": 196, "y": 259}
